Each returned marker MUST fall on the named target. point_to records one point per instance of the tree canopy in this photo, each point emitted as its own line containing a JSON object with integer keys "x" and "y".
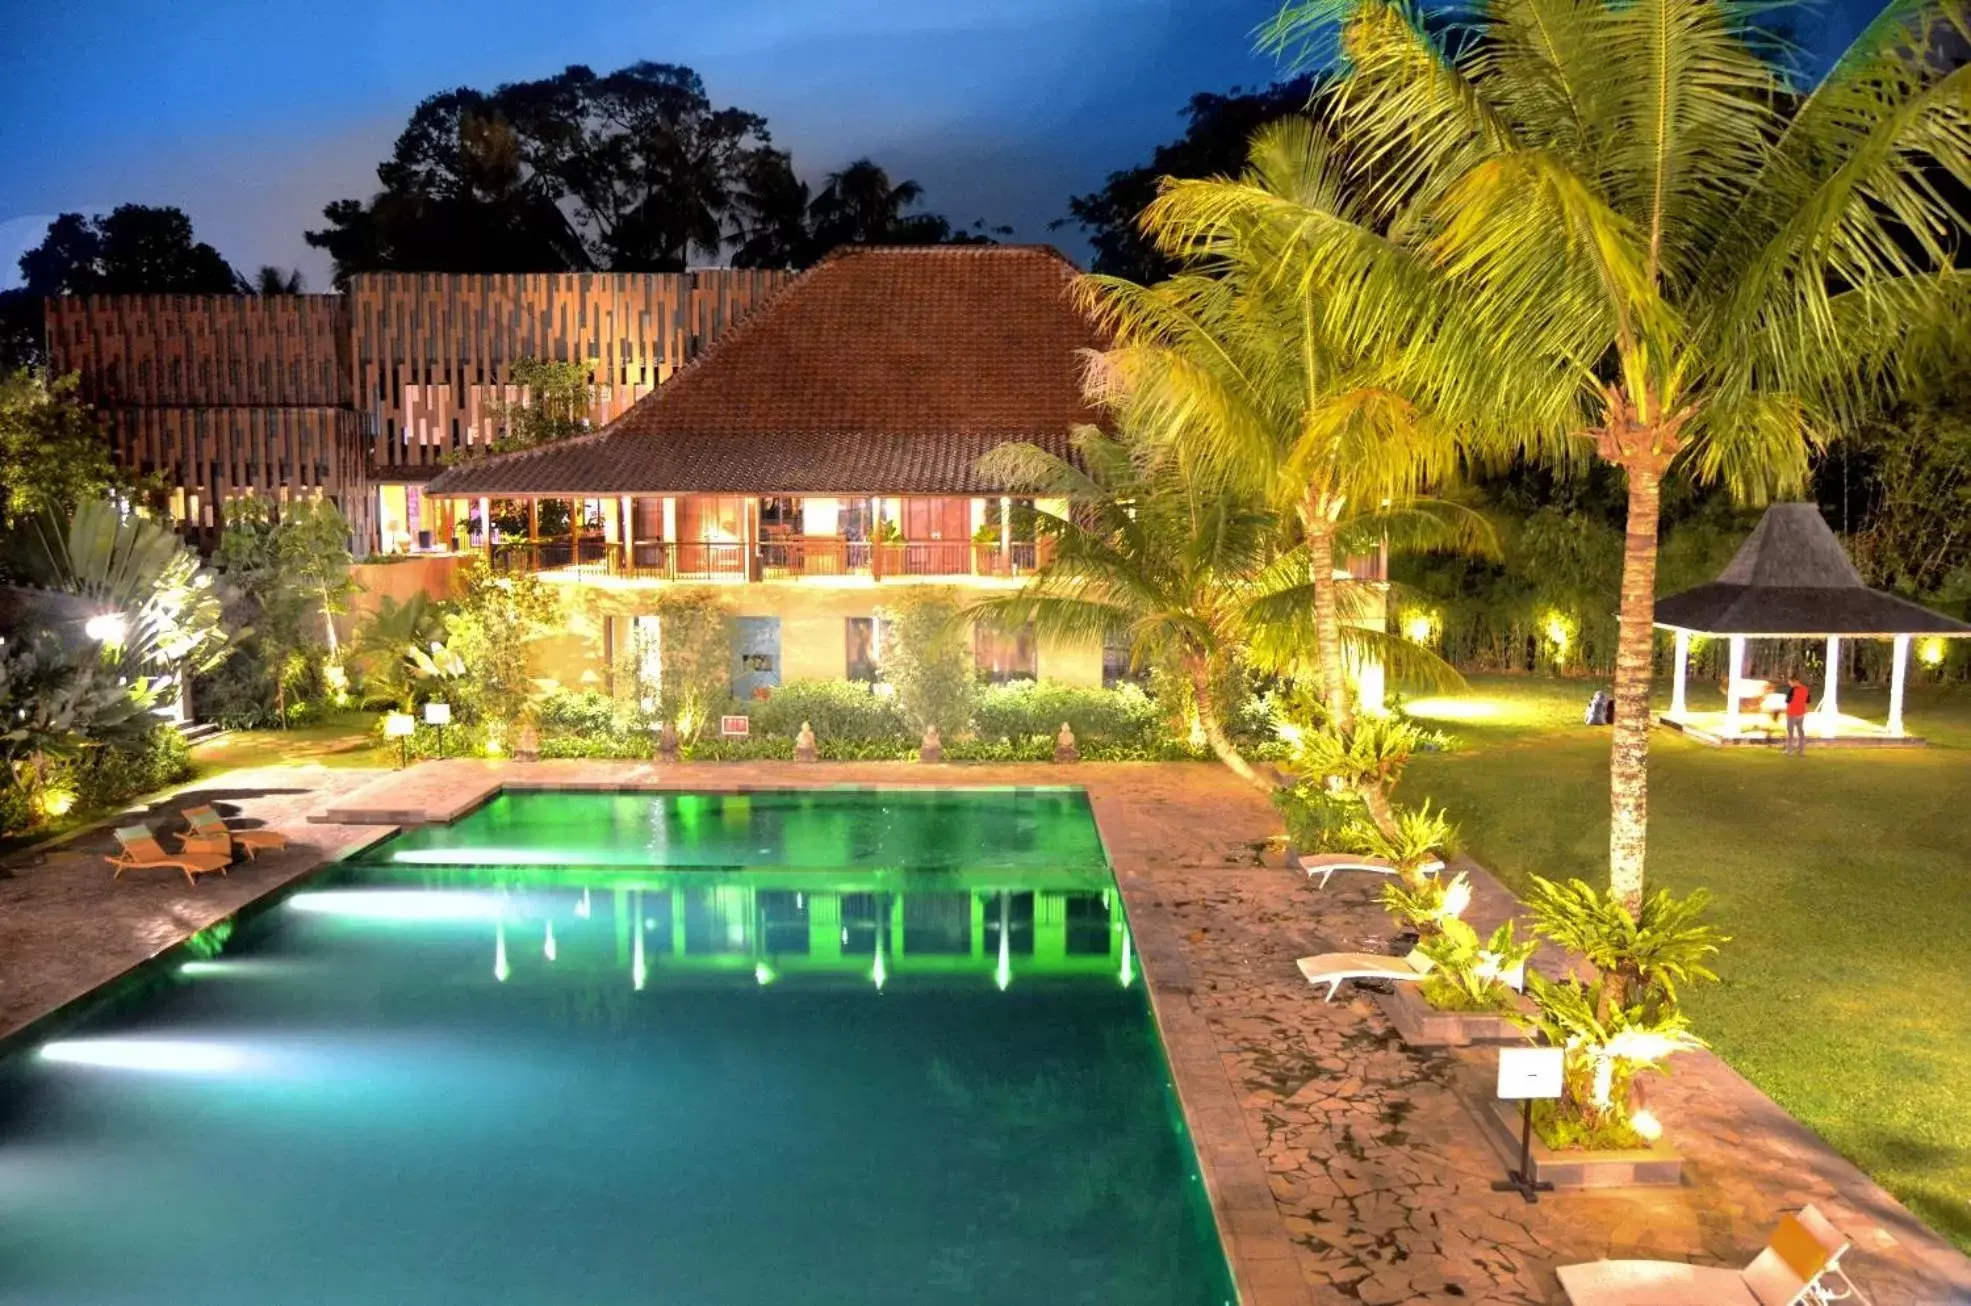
{"x": 634, "y": 170}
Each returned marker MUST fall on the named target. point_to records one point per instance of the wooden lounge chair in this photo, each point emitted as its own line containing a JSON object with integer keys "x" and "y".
{"x": 1335, "y": 968}
{"x": 142, "y": 851}
{"x": 206, "y": 822}
{"x": 1326, "y": 864}
{"x": 1800, "y": 1266}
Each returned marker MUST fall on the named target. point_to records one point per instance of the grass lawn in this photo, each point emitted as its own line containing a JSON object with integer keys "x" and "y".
{"x": 341, "y": 740}
{"x": 1843, "y": 879}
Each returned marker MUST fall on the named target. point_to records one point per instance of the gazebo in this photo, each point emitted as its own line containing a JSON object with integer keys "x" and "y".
{"x": 1791, "y": 580}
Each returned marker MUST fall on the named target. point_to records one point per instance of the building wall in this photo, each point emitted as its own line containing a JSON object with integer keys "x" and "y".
{"x": 813, "y": 630}
{"x": 432, "y": 351}
{"x": 288, "y": 395}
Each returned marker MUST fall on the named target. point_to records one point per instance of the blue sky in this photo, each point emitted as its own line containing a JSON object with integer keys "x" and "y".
{"x": 251, "y": 116}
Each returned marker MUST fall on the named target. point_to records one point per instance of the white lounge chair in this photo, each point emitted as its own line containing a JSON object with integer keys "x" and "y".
{"x": 1336, "y": 968}
{"x": 1800, "y": 1266}
{"x": 1326, "y": 864}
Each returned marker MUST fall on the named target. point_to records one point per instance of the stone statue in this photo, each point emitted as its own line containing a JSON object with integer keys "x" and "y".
{"x": 932, "y": 749}
{"x": 804, "y": 744}
{"x": 1064, "y": 749}
{"x": 667, "y": 743}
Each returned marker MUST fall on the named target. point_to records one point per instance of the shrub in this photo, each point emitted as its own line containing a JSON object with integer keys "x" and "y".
{"x": 839, "y": 710}
{"x": 1026, "y": 709}
{"x": 587, "y": 712}
{"x": 694, "y": 638}
{"x": 114, "y": 775}
{"x": 929, "y": 660}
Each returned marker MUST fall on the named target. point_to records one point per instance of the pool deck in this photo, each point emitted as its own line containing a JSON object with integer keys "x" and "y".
{"x": 1342, "y": 1166}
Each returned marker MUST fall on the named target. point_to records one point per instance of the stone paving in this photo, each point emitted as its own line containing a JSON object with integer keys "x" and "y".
{"x": 1342, "y": 1166}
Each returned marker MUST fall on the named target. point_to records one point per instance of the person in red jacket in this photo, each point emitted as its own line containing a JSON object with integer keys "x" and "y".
{"x": 1797, "y": 695}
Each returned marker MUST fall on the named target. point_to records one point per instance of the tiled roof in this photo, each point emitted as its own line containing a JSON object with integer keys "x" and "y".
{"x": 877, "y": 371}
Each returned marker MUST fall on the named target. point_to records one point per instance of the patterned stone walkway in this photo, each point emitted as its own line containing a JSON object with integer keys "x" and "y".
{"x": 1342, "y": 1166}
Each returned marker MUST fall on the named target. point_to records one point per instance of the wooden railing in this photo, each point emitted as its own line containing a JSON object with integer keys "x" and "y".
{"x": 783, "y": 559}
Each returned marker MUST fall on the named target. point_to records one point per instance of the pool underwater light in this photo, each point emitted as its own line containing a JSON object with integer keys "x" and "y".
{"x": 169, "y": 1056}
{"x": 398, "y": 904}
{"x": 582, "y": 908}
{"x": 764, "y": 974}
{"x": 1128, "y": 960}
{"x": 547, "y": 945}
{"x": 500, "y": 969}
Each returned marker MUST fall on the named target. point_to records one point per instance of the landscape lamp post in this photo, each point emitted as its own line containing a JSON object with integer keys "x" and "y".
{"x": 400, "y": 726}
{"x": 439, "y": 715}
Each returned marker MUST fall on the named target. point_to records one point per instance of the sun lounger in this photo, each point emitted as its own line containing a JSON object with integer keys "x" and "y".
{"x": 1326, "y": 864}
{"x": 1335, "y": 968}
{"x": 1800, "y": 1266}
{"x": 142, "y": 851}
{"x": 207, "y": 822}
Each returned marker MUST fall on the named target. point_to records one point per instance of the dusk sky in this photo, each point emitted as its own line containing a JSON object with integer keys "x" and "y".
{"x": 251, "y": 116}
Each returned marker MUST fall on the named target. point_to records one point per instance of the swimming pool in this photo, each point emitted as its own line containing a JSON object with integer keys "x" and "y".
{"x": 861, "y": 1047}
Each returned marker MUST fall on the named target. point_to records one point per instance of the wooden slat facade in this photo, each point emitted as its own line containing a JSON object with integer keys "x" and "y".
{"x": 285, "y": 395}
{"x": 431, "y": 351}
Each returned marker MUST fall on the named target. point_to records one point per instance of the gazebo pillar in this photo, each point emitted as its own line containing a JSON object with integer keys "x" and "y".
{"x": 1830, "y": 691}
{"x": 1897, "y": 675}
{"x": 1683, "y": 674}
{"x": 1734, "y": 673}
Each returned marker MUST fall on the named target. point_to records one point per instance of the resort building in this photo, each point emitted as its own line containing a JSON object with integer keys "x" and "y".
{"x": 822, "y": 453}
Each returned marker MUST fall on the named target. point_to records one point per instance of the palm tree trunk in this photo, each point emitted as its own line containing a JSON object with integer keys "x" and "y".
{"x": 1214, "y": 730}
{"x": 1318, "y": 526}
{"x": 1628, "y": 771}
{"x": 1376, "y": 799}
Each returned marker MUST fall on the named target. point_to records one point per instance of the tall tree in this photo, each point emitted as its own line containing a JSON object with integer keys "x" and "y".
{"x": 134, "y": 249}
{"x": 53, "y": 455}
{"x": 860, "y": 205}
{"x": 1619, "y": 221}
{"x": 1242, "y": 376}
{"x": 271, "y": 280}
{"x": 1217, "y": 133}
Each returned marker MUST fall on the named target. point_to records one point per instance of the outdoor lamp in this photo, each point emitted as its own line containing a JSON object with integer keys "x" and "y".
{"x": 439, "y": 715}
{"x": 106, "y": 628}
{"x": 400, "y": 726}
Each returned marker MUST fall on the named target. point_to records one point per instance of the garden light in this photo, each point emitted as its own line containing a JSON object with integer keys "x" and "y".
{"x": 400, "y": 726}
{"x": 1420, "y": 627}
{"x": 106, "y": 628}
{"x": 1558, "y": 627}
{"x": 439, "y": 715}
{"x": 1644, "y": 1122}
{"x": 57, "y": 800}
{"x": 1930, "y": 652}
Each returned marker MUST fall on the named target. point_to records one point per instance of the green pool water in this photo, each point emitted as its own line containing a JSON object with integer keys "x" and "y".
{"x": 858, "y": 1047}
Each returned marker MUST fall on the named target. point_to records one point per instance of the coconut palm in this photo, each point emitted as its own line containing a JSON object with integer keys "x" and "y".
{"x": 1626, "y": 223}
{"x": 271, "y": 280}
{"x": 1176, "y": 571}
{"x": 1237, "y": 367}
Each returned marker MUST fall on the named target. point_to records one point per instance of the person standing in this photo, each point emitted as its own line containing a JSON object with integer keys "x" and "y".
{"x": 1797, "y": 695}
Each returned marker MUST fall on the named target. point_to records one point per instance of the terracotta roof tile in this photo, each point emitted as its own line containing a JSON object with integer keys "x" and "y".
{"x": 877, "y": 371}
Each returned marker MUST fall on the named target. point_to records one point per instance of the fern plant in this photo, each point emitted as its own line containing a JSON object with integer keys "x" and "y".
{"x": 1604, "y": 1050}
{"x": 1644, "y": 957}
{"x": 1473, "y": 973}
{"x": 1426, "y": 907}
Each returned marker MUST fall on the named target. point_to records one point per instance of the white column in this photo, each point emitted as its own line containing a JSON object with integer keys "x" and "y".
{"x": 1735, "y": 673}
{"x": 671, "y": 518}
{"x": 486, "y": 523}
{"x": 1683, "y": 674}
{"x": 1830, "y": 691}
{"x": 1896, "y": 679}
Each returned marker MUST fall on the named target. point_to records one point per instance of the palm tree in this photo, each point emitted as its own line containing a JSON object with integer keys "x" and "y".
{"x": 1237, "y": 368}
{"x": 1622, "y": 222}
{"x": 860, "y": 206}
{"x": 271, "y": 280}
{"x": 1178, "y": 571}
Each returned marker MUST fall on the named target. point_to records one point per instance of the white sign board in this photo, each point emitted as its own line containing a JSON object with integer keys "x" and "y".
{"x": 1529, "y": 1072}
{"x": 736, "y": 727}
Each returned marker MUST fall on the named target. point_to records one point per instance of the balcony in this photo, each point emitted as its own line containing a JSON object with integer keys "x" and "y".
{"x": 795, "y": 558}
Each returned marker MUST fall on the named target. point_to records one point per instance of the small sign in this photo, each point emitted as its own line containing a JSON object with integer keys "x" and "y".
{"x": 1526, "y": 1073}
{"x": 736, "y": 727}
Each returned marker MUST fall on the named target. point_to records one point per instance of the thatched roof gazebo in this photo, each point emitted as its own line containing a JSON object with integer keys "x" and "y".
{"x": 1791, "y": 580}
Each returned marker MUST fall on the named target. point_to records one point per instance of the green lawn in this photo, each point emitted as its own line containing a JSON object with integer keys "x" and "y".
{"x": 1843, "y": 878}
{"x": 341, "y": 740}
